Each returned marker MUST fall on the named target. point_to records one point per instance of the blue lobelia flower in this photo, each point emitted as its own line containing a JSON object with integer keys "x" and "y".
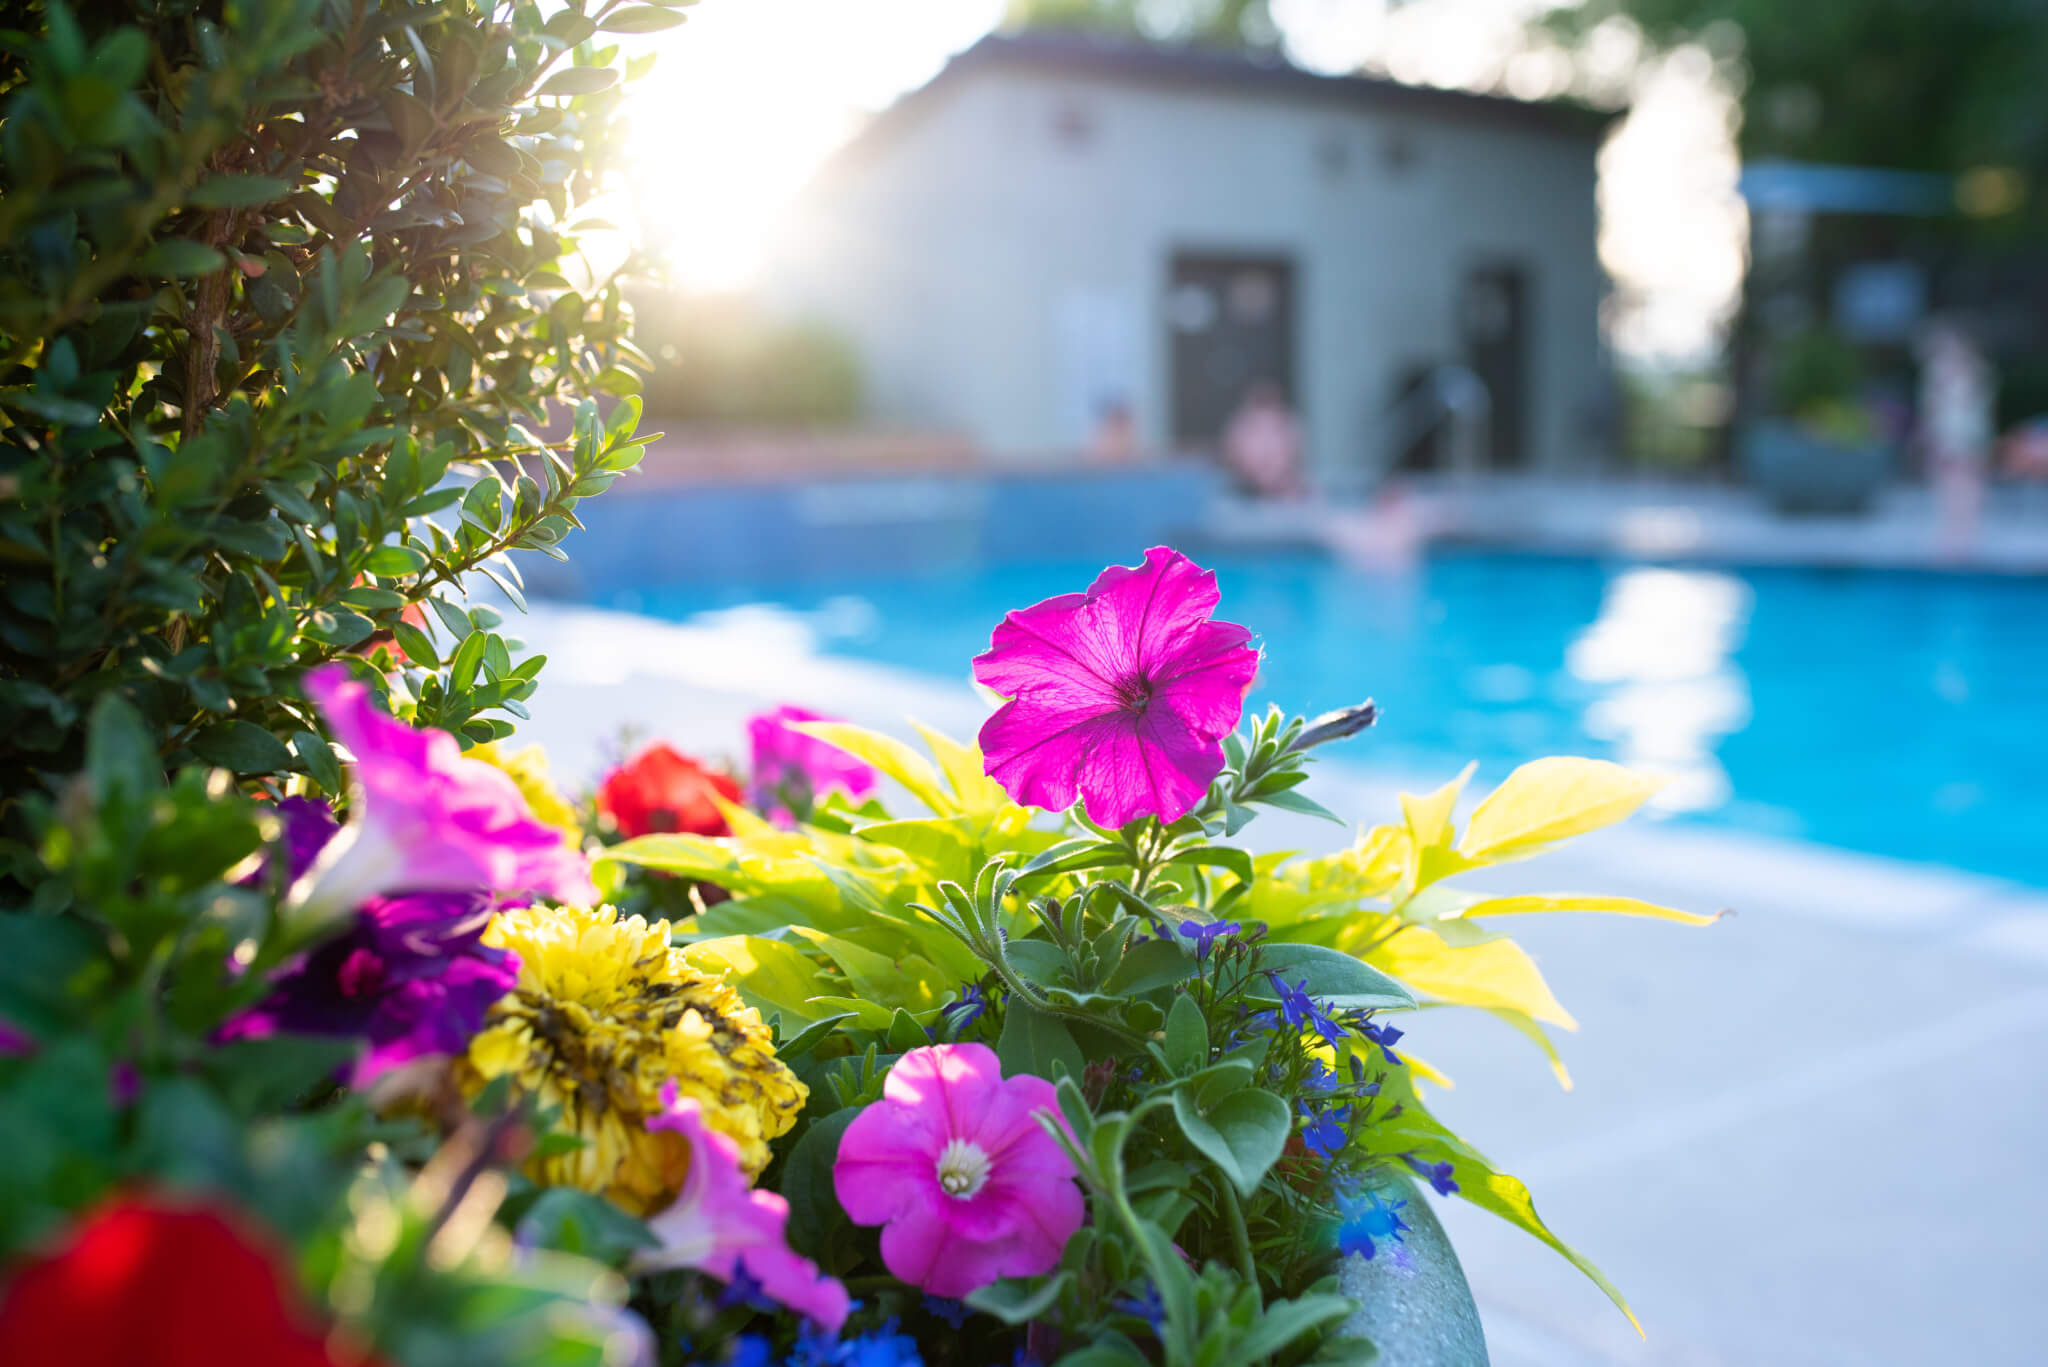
{"x": 1302, "y": 1012}
{"x": 1324, "y": 1132}
{"x": 1205, "y": 934}
{"x": 743, "y": 1290}
{"x": 1439, "y": 1174}
{"x": 1368, "y": 1216}
{"x": 1148, "y": 1307}
{"x": 967, "y": 1009}
{"x": 1384, "y": 1036}
{"x": 953, "y": 1312}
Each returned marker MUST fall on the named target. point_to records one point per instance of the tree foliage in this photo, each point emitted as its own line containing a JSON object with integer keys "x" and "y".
{"x": 1220, "y": 23}
{"x": 277, "y": 279}
{"x": 1936, "y": 85}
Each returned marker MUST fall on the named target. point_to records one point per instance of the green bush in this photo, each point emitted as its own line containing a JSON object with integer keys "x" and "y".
{"x": 277, "y": 279}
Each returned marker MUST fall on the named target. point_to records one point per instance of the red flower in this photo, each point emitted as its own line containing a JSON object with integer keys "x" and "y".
{"x": 661, "y": 789}
{"x": 146, "y": 1282}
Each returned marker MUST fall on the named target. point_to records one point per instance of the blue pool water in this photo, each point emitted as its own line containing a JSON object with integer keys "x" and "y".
{"x": 1903, "y": 713}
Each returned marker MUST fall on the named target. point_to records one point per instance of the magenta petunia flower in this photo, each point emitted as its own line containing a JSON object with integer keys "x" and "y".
{"x": 954, "y": 1165}
{"x": 719, "y": 1225}
{"x": 1122, "y": 694}
{"x": 792, "y": 770}
{"x": 424, "y": 819}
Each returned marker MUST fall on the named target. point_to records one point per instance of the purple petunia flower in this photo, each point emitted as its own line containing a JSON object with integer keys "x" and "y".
{"x": 792, "y": 770}
{"x": 411, "y": 977}
{"x": 307, "y": 825}
{"x": 425, "y": 819}
{"x": 1205, "y": 934}
{"x": 1121, "y": 695}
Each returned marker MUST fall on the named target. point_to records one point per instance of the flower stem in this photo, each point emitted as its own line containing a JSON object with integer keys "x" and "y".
{"x": 1241, "y": 1241}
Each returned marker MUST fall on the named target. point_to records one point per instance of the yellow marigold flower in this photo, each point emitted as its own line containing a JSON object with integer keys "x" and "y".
{"x": 528, "y": 770}
{"x": 605, "y": 1012}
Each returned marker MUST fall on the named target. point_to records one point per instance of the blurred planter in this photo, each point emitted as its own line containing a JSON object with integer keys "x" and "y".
{"x": 1804, "y": 472}
{"x": 1413, "y": 1301}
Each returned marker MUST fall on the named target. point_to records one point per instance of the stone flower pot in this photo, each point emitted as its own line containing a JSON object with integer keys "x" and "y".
{"x": 1803, "y": 472}
{"x": 1414, "y": 1304}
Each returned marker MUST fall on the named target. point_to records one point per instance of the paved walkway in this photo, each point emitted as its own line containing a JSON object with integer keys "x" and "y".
{"x": 1816, "y": 1132}
{"x": 1660, "y": 519}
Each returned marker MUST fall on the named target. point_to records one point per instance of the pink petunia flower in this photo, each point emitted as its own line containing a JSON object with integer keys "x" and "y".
{"x": 792, "y": 770}
{"x": 966, "y": 1183}
{"x": 719, "y": 1225}
{"x": 1122, "y": 694}
{"x": 424, "y": 818}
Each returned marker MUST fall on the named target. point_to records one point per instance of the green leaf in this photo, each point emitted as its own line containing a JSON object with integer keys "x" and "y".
{"x": 1154, "y": 963}
{"x": 417, "y": 647}
{"x": 573, "y": 1221}
{"x": 392, "y": 561}
{"x": 469, "y": 657}
{"x": 580, "y": 80}
{"x": 238, "y": 192}
{"x": 1036, "y": 1043}
{"x": 243, "y": 747}
{"x": 814, "y": 1210}
{"x": 1019, "y": 1300}
{"x": 1243, "y": 1134}
{"x": 1187, "y": 1035}
{"x": 642, "y": 19}
{"x": 1286, "y": 1321}
{"x": 120, "y": 756}
{"x": 178, "y": 257}
{"x": 1216, "y": 856}
{"x": 1348, "y": 983}
{"x": 317, "y": 758}
{"x": 1292, "y": 800}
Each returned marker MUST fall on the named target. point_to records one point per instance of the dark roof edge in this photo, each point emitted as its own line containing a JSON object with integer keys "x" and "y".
{"x": 1087, "y": 55}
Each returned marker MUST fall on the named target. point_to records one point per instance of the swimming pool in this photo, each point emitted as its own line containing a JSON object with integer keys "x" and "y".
{"x": 1897, "y": 712}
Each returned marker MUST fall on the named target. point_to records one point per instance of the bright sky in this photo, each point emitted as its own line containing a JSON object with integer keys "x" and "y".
{"x": 751, "y": 95}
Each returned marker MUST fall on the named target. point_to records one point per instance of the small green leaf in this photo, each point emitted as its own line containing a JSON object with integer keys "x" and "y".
{"x": 243, "y": 747}
{"x": 580, "y": 80}
{"x": 392, "y": 561}
{"x": 1187, "y": 1035}
{"x": 469, "y": 657}
{"x": 1347, "y": 983}
{"x": 417, "y": 647}
{"x": 120, "y": 755}
{"x": 239, "y": 192}
{"x": 178, "y": 257}
{"x": 642, "y": 19}
{"x": 317, "y": 758}
{"x": 1243, "y": 1134}
{"x": 1036, "y": 1043}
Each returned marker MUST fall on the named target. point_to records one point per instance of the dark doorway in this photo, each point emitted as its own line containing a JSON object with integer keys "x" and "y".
{"x": 1493, "y": 319}
{"x": 1230, "y": 320}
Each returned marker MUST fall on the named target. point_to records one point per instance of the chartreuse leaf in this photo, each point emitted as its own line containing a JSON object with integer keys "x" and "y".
{"x": 910, "y": 981}
{"x": 772, "y": 975}
{"x": 1408, "y": 1127}
{"x": 944, "y": 843}
{"x": 966, "y": 770}
{"x": 1550, "y": 800}
{"x": 1242, "y": 1134}
{"x": 887, "y": 754}
{"x": 1429, "y": 818}
{"x": 1528, "y": 903}
{"x": 1496, "y": 973}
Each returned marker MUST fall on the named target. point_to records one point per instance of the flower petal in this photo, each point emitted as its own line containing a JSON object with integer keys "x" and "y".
{"x": 1154, "y": 767}
{"x": 1204, "y": 681}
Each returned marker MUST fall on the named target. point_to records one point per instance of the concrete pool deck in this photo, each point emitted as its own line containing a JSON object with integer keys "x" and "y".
{"x": 1812, "y": 1133}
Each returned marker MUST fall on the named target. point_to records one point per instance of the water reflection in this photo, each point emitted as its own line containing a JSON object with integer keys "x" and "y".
{"x": 1663, "y": 649}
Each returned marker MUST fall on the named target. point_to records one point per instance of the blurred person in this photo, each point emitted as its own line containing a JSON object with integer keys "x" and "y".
{"x": 1262, "y": 443}
{"x": 1389, "y": 536}
{"x": 1957, "y": 391}
{"x": 1115, "y": 439}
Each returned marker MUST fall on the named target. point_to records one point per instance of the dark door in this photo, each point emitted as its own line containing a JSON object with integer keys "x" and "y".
{"x": 1493, "y": 316}
{"x": 1231, "y": 321}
